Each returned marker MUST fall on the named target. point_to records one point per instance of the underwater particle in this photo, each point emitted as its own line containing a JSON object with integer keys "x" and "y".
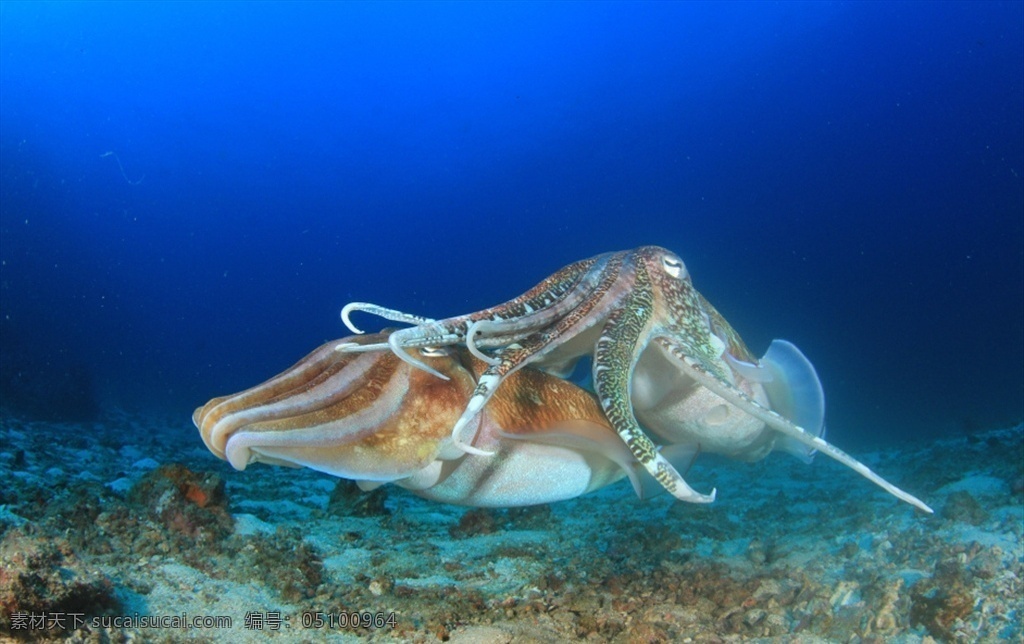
{"x": 347, "y": 500}
{"x": 111, "y": 153}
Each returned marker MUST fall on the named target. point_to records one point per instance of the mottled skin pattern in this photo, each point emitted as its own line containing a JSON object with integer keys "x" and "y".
{"x": 538, "y": 307}
{"x": 613, "y": 368}
{"x": 734, "y": 344}
{"x": 631, "y": 298}
{"x": 518, "y": 354}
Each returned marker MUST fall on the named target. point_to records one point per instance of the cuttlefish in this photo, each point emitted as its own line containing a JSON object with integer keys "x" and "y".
{"x": 661, "y": 355}
{"x": 375, "y": 419}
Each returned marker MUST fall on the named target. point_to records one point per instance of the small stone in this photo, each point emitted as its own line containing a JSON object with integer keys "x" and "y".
{"x": 756, "y": 553}
{"x": 754, "y": 616}
{"x": 121, "y": 485}
{"x": 145, "y": 464}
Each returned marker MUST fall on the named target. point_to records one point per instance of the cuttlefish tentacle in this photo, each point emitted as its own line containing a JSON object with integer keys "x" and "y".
{"x": 615, "y": 356}
{"x": 516, "y": 355}
{"x": 475, "y": 329}
{"x": 731, "y": 394}
{"x": 484, "y": 334}
{"x": 546, "y": 327}
{"x": 535, "y": 309}
{"x": 390, "y": 315}
{"x": 538, "y": 307}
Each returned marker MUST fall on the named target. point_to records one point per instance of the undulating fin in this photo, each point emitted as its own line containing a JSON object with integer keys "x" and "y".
{"x": 796, "y": 394}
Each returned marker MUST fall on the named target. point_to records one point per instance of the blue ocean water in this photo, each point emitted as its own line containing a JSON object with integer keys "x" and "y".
{"x": 190, "y": 192}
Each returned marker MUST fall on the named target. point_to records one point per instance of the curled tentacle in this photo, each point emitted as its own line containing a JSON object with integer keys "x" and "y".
{"x": 708, "y": 389}
{"x": 471, "y": 333}
{"x": 390, "y": 315}
{"x": 543, "y": 304}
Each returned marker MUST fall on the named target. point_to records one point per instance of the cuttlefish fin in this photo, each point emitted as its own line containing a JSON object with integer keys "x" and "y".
{"x": 796, "y": 394}
{"x": 727, "y": 391}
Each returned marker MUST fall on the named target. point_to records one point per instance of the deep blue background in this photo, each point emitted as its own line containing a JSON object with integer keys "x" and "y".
{"x": 844, "y": 175}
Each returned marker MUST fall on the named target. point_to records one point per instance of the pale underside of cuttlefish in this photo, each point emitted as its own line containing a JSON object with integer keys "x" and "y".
{"x": 660, "y": 352}
{"x": 375, "y": 419}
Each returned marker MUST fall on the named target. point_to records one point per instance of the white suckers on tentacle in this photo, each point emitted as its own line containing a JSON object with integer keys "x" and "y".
{"x": 638, "y": 317}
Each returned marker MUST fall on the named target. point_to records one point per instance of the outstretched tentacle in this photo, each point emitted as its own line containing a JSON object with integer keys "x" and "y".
{"x": 726, "y": 390}
{"x": 615, "y": 357}
{"x": 540, "y": 306}
{"x": 390, "y": 315}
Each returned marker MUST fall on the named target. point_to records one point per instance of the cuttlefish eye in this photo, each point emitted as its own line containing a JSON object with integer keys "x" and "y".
{"x": 672, "y": 265}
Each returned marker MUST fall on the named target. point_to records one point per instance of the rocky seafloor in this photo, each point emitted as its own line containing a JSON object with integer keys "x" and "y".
{"x": 133, "y": 518}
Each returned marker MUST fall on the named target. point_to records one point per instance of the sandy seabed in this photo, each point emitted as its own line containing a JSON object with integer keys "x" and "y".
{"x": 129, "y": 530}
